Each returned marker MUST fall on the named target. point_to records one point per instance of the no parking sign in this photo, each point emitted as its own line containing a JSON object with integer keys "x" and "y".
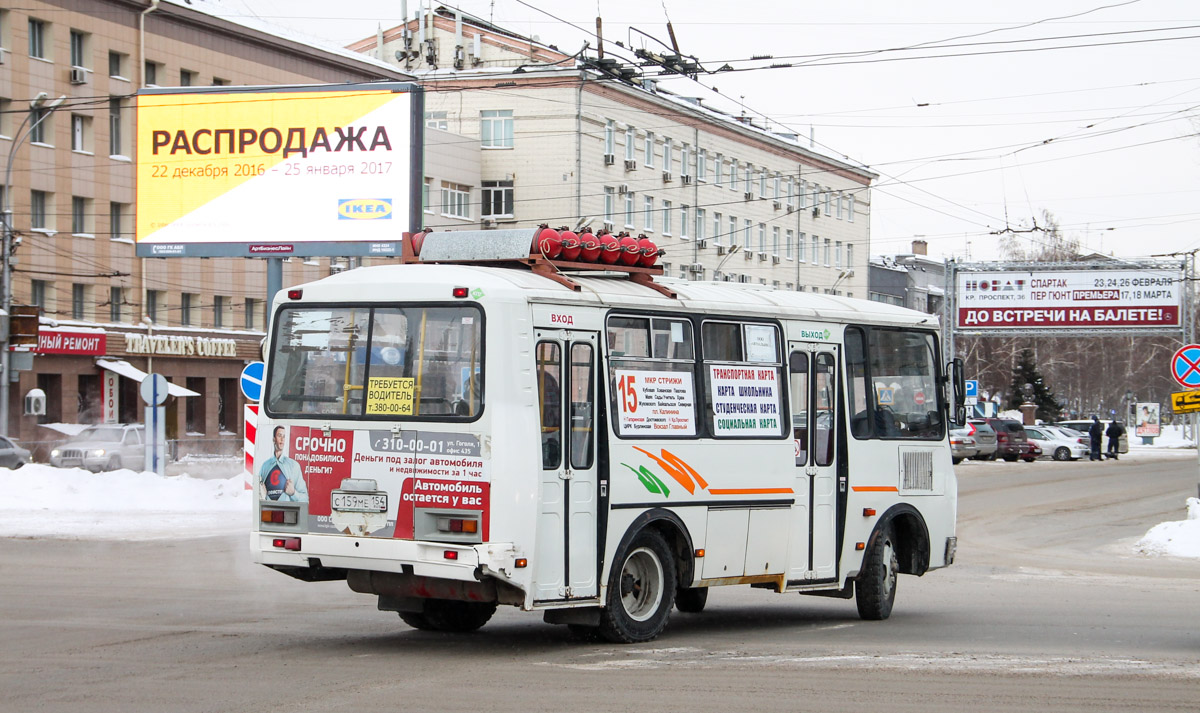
{"x": 1185, "y": 366}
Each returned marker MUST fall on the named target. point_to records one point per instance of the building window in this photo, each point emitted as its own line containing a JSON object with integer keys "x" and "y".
{"x": 702, "y": 165}
{"x": 801, "y": 194}
{"x": 629, "y": 210}
{"x": 116, "y": 65}
{"x": 497, "y": 197}
{"x": 78, "y": 301}
{"x": 456, "y": 200}
{"x": 828, "y": 249}
{"x": 425, "y": 189}
{"x": 791, "y": 193}
{"x": 668, "y": 159}
{"x": 828, "y": 200}
{"x": 850, "y": 256}
{"x": 800, "y": 247}
{"x": 80, "y": 215}
{"x": 775, "y": 186}
{"x": 733, "y": 174}
{"x": 610, "y": 139}
{"x": 151, "y": 69}
{"x": 37, "y": 294}
{"x": 762, "y": 238}
{"x": 762, "y": 183}
{"x": 685, "y": 160}
{"x": 437, "y": 120}
{"x": 850, "y": 207}
{"x": 839, "y": 205}
{"x": 218, "y": 82}
{"x": 37, "y": 210}
{"x": 81, "y": 133}
{"x": 630, "y": 148}
{"x": 37, "y": 39}
{"x": 775, "y": 241}
{"x": 39, "y": 119}
{"x": 187, "y": 301}
{"x": 496, "y": 129}
{"x": 116, "y": 300}
{"x": 186, "y": 77}
{"x": 837, "y": 254}
{"x": 733, "y": 235}
{"x": 717, "y": 226}
{"x": 220, "y": 304}
{"x": 154, "y": 302}
{"x": 116, "y": 215}
{"x": 609, "y": 206}
{"x": 683, "y": 222}
{"x": 746, "y": 229}
{"x": 648, "y": 158}
{"x": 666, "y": 214}
{"x": 254, "y": 313}
{"x": 816, "y": 250}
{"x": 116, "y": 137}
{"x": 748, "y": 174}
{"x": 718, "y": 166}
{"x": 648, "y": 214}
{"x": 701, "y": 218}
{"x": 789, "y": 238}
{"x": 79, "y": 49}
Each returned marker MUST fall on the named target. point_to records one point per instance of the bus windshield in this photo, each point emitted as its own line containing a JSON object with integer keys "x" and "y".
{"x": 377, "y": 362}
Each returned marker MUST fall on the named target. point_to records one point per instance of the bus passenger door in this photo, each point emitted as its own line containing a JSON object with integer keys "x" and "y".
{"x": 813, "y": 386}
{"x": 566, "y": 560}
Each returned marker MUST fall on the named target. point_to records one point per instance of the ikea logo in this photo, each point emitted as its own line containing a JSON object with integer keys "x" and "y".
{"x": 364, "y": 209}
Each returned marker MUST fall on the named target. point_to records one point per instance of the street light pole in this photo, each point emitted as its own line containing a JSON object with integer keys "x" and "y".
{"x": 732, "y": 250}
{"x": 36, "y": 104}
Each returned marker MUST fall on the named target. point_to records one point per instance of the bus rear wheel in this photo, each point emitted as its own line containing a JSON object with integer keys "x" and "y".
{"x": 641, "y": 591}
{"x": 875, "y": 589}
{"x": 450, "y": 615}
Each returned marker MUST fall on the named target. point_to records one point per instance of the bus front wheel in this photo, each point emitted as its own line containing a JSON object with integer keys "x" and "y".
{"x": 875, "y": 590}
{"x": 641, "y": 591}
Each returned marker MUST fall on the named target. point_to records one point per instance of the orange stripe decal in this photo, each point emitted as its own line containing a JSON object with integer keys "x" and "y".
{"x": 676, "y": 473}
{"x": 678, "y": 462}
{"x": 751, "y": 491}
{"x": 875, "y": 489}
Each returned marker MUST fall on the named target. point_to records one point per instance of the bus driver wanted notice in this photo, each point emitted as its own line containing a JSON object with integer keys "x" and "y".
{"x": 745, "y": 400}
{"x": 655, "y": 403}
{"x": 390, "y": 395}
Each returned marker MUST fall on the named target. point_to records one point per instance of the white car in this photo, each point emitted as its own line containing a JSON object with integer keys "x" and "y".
{"x": 1058, "y": 443}
{"x": 103, "y": 447}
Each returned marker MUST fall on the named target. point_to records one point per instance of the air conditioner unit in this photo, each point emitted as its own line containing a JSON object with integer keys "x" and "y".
{"x": 623, "y": 188}
{"x": 774, "y": 259}
{"x": 701, "y": 244}
{"x": 762, "y": 257}
{"x": 696, "y": 268}
{"x": 777, "y": 205}
{"x": 666, "y": 176}
{"x": 630, "y": 164}
{"x": 748, "y": 195}
{"x": 816, "y": 212}
{"x": 686, "y": 178}
{"x": 609, "y": 159}
{"x": 749, "y": 254}
{"x": 78, "y": 75}
{"x": 721, "y": 250}
{"x": 488, "y": 222}
{"x": 791, "y": 208}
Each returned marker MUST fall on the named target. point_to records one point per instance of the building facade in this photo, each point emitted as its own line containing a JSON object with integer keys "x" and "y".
{"x": 71, "y": 187}
{"x": 563, "y": 143}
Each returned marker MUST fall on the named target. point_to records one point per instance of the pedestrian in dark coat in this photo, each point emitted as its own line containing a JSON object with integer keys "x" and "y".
{"x": 1114, "y": 432}
{"x": 1096, "y": 433}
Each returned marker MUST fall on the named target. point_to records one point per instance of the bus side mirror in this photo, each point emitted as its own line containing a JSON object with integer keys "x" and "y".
{"x": 959, "y": 384}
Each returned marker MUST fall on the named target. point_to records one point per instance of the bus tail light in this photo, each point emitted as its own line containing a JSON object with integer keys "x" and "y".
{"x": 279, "y": 517}
{"x": 295, "y": 294}
{"x": 454, "y": 524}
{"x": 286, "y": 543}
{"x": 521, "y": 563}
{"x": 450, "y": 554}
{"x": 459, "y": 292}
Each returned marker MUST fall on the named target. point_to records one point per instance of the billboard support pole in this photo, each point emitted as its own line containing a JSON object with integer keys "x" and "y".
{"x": 274, "y": 279}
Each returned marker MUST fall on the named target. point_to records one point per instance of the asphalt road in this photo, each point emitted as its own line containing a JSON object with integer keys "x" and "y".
{"x": 1047, "y": 609}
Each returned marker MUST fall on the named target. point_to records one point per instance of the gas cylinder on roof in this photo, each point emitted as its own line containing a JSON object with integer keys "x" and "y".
{"x": 589, "y": 246}
{"x": 570, "y": 245}
{"x": 417, "y": 240}
{"x": 547, "y": 242}
{"x": 610, "y": 249}
{"x": 649, "y": 251}
{"x": 631, "y": 252}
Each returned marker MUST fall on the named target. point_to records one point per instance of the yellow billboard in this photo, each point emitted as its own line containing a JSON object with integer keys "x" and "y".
{"x": 277, "y": 171}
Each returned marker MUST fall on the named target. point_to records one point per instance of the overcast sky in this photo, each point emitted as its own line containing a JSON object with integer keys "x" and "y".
{"x": 988, "y": 129}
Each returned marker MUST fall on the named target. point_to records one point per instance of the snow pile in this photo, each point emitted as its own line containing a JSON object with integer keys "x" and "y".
{"x": 43, "y": 501}
{"x": 1180, "y": 538}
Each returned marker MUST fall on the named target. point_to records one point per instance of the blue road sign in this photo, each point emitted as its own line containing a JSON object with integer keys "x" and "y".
{"x": 252, "y": 380}
{"x": 1185, "y": 366}
{"x": 972, "y": 388}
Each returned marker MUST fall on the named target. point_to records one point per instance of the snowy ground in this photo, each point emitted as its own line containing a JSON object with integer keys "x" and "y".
{"x": 42, "y": 501}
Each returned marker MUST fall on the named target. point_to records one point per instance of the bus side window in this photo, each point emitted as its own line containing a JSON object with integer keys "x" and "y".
{"x": 824, "y": 381}
{"x": 549, "y": 376}
{"x": 798, "y": 366}
{"x": 856, "y": 384}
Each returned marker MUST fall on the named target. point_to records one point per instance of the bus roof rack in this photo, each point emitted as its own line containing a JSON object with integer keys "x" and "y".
{"x": 512, "y": 248}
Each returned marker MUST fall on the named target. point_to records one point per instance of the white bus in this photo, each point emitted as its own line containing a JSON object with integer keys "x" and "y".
{"x": 452, "y": 437}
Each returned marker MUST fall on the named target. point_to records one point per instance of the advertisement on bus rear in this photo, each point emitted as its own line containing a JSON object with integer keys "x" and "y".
{"x": 1069, "y": 299}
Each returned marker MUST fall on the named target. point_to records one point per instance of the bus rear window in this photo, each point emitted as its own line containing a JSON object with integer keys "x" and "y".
{"x": 377, "y": 363}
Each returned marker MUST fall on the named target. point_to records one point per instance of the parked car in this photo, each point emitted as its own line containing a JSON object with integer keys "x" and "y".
{"x": 962, "y": 445}
{"x": 1011, "y": 442}
{"x": 1057, "y": 443}
{"x": 1035, "y": 452}
{"x": 1083, "y": 426}
{"x": 985, "y": 439}
{"x": 103, "y": 447}
{"x": 12, "y": 455}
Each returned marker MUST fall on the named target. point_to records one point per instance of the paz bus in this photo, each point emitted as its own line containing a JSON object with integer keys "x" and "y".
{"x": 459, "y": 432}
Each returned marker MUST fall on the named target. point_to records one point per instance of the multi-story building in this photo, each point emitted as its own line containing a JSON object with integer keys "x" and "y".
{"x": 561, "y": 143}
{"x": 912, "y": 280}
{"x": 107, "y": 314}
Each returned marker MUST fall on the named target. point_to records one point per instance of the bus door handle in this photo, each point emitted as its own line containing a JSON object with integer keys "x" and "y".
{"x": 810, "y": 471}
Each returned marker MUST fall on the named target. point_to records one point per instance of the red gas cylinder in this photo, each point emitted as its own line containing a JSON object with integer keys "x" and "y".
{"x": 631, "y": 252}
{"x": 610, "y": 249}
{"x": 589, "y": 247}
{"x": 418, "y": 239}
{"x": 570, "y": 245}
{"x": 649, "y": 252}
{"x": 548, "y": 242}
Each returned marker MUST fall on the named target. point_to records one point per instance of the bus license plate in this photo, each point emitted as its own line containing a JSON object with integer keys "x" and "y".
{"x": 359, "y": 502}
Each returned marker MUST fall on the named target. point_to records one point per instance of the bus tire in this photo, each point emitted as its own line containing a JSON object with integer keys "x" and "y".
{"x": 416, "y": 620}
{"x": 641, "y": 591}
{"x": 457, "y": 616}
{"x": 691, "y": 601}
{"x": 875, "y": 587}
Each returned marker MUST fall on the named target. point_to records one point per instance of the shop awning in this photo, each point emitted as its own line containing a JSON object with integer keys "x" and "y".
{"x": 124, "y": 368}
